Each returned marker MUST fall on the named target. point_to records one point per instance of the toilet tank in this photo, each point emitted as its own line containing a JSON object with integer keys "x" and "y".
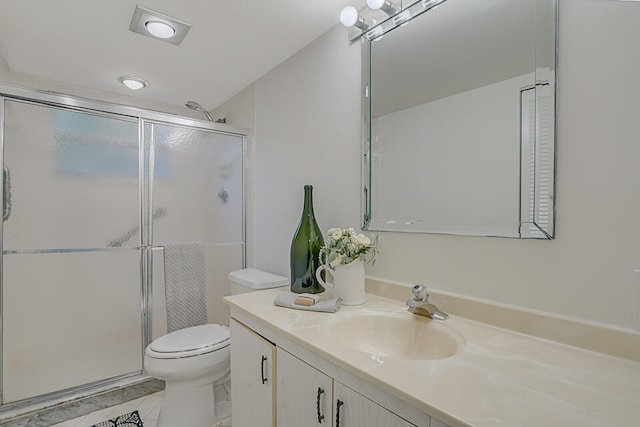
{"x": 251, "y": 279}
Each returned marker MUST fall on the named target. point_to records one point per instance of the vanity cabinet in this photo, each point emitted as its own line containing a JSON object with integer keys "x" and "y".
{"x": 354, "y": 410}
{"x": 276, "y": 383}
{"x": 304, "y": 394}
{"x": 252, "y": 378}
{"x": 308, "y": 397}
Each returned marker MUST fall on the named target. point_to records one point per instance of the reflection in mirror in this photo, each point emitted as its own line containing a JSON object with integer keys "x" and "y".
{"x": 459, "y": 119}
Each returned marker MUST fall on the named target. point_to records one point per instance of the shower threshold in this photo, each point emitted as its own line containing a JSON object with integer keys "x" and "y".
{"x": 83, "y": 402}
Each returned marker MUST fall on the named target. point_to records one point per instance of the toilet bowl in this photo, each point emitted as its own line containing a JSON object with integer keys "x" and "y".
{"x": 194, "y": 363}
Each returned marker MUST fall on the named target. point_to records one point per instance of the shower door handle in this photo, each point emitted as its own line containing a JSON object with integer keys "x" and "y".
{"x": 6, "y": 194}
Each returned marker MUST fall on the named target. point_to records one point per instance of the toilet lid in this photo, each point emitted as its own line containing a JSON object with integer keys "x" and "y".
{"x": 209, "y": 337}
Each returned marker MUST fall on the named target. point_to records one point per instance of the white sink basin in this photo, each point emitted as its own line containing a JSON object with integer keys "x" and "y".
{"x": 396, "y": 335}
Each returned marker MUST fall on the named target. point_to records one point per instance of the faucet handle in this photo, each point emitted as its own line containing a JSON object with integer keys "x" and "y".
{"x": 419, "y": 293}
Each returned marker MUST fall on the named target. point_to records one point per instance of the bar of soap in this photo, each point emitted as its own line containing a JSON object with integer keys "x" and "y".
{"x": 305, "y": 300}
{"x": 314, "y": 297}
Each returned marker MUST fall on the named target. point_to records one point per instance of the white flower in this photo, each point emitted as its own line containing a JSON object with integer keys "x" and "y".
{"x": 344, "y": 245}
{"x": 363, "y": 240}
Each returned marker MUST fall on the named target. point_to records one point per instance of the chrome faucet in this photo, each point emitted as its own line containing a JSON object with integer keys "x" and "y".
{"x": 421, "y": 306}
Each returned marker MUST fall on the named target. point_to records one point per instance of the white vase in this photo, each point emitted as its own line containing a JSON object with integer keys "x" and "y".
{"x": 348, "y": 281}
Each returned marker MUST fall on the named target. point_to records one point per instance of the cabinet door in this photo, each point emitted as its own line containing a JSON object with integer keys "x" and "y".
{"x": 354, "y": 410}
{"x": 252, "y": 378}
{"x": 303, "y": 393}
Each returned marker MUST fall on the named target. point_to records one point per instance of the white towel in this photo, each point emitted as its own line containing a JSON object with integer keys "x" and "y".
{"x": 185, "y": 285}
{"x": 329, "y": 305}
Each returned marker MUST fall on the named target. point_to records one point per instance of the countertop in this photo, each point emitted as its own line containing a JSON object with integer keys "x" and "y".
{"x": 497, "y": 378}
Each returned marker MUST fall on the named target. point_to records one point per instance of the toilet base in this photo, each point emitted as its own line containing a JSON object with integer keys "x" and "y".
{"x": 195, "y": 403}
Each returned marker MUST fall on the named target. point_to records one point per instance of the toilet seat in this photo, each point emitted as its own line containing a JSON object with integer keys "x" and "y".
{"x": 189, "y": 342}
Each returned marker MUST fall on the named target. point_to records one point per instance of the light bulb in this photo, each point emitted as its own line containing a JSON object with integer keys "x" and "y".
{"x": 375, "y": 4}
{"x": 384, "y": 5}
{"x": 349, "y": 16}
{"x": 160, "y": 29}
{"x": 133, "y": 83}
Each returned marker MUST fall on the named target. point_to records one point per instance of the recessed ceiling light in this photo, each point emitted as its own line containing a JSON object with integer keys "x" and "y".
{"x": 133, "y": 83}
{"x": 158, "y": 25}
{"x": 160, "y": 29}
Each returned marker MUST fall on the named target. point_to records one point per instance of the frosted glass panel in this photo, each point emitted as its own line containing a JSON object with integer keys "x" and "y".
{"x": 73, "y": 179}
{"x": 69, "y": 319}
{"x": 197, "y": 185}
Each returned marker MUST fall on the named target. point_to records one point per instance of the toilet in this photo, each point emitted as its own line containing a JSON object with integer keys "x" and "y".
{"x": 194, "y": 363}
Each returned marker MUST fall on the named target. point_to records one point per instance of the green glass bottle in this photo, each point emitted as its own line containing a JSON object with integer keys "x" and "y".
{"x": 305, "y": 249}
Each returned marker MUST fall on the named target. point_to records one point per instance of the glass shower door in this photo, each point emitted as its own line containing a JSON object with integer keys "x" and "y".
{"x": 71, "y": 265}
{"x": 196, "y": 202}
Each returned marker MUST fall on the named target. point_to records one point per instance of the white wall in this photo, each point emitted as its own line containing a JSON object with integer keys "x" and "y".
{"x": 304, "y": 120}
{"x": 4, "y": 69}
{"x": 307, "y": 132}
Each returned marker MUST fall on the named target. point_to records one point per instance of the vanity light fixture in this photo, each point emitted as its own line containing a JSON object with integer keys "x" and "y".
{"x": 373, "y": 26}
{"x": 402, "y": 18}
{"x": 349, "y": 17}
{"x": 133, "y": 83}
{"x": 158, "y": 25}
{"x": 384, "y": 5}
{"x": 428, "y": 4}
{"x": 374, "y": 34}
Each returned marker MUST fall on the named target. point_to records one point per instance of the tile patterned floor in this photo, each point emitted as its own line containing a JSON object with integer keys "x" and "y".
{"x": 147, "y": 406}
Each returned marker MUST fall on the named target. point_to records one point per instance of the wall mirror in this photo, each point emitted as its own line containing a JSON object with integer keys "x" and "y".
{"x": 459, "y": 111}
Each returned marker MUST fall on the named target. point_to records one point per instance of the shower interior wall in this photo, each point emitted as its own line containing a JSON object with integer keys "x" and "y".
{"x": 75, "y": 309}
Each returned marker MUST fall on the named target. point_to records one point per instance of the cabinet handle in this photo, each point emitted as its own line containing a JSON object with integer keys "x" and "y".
{"x": 264, "y": 379}
{"x": 320, "y": 416}
{"x": 339, "y": 403}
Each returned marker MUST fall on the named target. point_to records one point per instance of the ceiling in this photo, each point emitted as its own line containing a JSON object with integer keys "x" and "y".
{"x": 231, "y": 43}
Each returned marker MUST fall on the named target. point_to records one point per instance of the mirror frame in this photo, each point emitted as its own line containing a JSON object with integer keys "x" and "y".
{"x": 538, "y": 171}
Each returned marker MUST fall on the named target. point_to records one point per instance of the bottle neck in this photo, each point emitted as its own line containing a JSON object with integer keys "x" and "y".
{"x": 308, "y": 202}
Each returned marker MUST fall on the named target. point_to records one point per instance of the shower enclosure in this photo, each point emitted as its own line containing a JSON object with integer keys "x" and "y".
{"x": 92, "y": 193}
